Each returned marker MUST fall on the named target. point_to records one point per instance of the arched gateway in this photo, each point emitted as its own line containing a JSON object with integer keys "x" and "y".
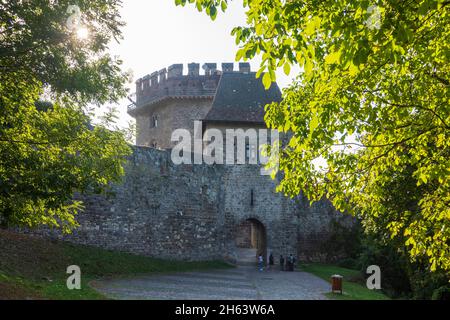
{"x": 250, "y": 240}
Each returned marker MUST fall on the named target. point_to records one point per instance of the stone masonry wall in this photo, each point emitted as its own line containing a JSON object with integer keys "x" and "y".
{"x": 159, "y": 210}
{"x": 316, "y": 227}
{"x": 193, "y": 212}
{"x": 172, "y": 114}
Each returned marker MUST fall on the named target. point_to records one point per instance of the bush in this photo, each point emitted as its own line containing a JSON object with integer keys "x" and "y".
{"x": 442, "y": 293}
{"x": 426, "y": 284}
{"x": 394, "y": 267}
{"x": 401, "y": 278}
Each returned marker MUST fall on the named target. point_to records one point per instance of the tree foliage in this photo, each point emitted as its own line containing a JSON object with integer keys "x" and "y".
{"x": 50, "y": 150}
{"x": 370, "y": 105}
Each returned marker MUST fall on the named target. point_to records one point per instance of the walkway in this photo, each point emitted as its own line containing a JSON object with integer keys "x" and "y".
{"x": 241, "y": 283}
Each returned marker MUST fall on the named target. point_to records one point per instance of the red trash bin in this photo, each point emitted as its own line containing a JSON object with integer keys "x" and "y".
{"x": 336, "y": 283}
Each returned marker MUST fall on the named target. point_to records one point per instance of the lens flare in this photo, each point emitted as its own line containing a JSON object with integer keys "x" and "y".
{"x": 82, "y": 33}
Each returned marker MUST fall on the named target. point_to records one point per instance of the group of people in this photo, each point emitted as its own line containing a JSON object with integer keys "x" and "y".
{"x": 287, "y": 264}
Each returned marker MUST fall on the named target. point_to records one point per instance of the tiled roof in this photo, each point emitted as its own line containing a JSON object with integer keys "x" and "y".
{"x": 241, "y": 97}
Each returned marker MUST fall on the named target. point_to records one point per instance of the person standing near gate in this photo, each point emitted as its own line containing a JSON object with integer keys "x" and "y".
{"x": 281, "y": 262}
{"x": 260, "y": 263}
{"x": 270, "y": 260}
{"x": 291, "y": 261}
{"x": 288, "y": 263}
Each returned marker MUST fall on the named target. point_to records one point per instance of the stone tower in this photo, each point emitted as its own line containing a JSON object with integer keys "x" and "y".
{"x": 167, "y": 100}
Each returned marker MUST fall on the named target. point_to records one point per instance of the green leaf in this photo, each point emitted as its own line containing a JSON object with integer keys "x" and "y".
{"x": 266, "y": 80}
{"x": 224, "y": 6}
{"x": 287, "y": 68}
{"x": 314, "y": 123}
{"x": 213, "y": 12}
{"x": 333, "y": 57}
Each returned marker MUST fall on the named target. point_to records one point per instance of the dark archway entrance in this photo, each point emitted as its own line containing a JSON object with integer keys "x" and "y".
{"x": 251, "y": 240}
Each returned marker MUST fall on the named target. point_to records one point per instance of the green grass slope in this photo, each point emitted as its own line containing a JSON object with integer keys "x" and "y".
{"x": 35, "y": 268}
{"x": 354, "y": 285}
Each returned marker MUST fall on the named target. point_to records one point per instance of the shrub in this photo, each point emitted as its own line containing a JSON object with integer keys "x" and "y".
{"x": 426, "y": 284}
{"x": 442, "y": 293}
{"x": 393, "y": 264}
{"x": 401, "y": 278}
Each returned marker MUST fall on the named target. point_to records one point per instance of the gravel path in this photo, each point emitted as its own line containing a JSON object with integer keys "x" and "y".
{"x": 241, "y": 283}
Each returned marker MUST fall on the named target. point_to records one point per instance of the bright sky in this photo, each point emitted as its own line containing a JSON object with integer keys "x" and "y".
{"x": 159, "y": 34}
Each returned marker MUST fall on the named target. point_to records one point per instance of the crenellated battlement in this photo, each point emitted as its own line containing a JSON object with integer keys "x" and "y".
{"x": 173, "y": 83}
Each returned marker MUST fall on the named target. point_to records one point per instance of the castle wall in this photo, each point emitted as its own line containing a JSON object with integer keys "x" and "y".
{"x": 159, "y": 210}
{"x": 193, "y": 212}
{"x": 316, "y": 227}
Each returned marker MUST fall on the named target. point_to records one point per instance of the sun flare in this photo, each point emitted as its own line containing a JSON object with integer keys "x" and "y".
{"x": 82, "y": 33}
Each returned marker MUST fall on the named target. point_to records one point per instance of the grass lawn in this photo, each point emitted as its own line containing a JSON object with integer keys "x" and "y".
{"x": 33, "y": 268}
{"x": 354, "y": 285}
